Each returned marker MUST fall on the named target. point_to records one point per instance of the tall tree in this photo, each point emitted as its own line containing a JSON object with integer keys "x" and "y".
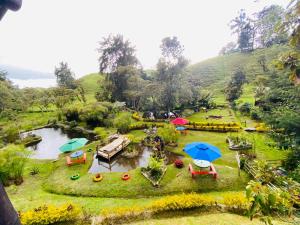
{"x": 170, "y": 69}
{"x": 242, "y": 25}
{"x": 117, "y": 59}
{"x": 234, "y": 87}
{"x": 267, "y": 22}
{"x": 64, "y": 76}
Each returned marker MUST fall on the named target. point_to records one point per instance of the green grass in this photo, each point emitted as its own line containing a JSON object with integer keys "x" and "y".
{"x": 28, "y": 121}
{"x": 91, "y": 82}
{"x": 202, "y": 116}
{"x": 174, "y": 181}
{"x": 207, "y": 219}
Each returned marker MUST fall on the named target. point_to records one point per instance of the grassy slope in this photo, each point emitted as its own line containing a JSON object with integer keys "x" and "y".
{"x": 214, "y": 218}
{"x": 214, "y": 73}
{"x": 91, "y": 84}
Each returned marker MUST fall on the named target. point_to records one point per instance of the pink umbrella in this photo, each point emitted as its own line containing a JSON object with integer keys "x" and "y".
{"x": 179, "y": 121}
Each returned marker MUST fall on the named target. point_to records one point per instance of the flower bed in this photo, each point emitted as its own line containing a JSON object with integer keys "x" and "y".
{"x": 49, "y": 214}
{"x": 213, "y": 128}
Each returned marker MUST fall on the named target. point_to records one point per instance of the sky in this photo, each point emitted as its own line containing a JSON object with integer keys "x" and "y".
{"x": 44, "y": 32}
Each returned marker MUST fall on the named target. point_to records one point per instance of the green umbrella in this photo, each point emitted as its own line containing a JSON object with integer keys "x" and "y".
{"x": 73, "y": 144}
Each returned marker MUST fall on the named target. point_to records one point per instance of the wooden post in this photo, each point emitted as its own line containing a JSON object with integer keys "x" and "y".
{"x": 8, "y": 215}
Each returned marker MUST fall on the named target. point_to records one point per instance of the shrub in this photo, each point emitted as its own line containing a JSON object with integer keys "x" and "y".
{"x": 235, "y": 202}
{"x": 34, "y": 170}
{"x": 73, "y": 124}
{"x": 12, "y": 162}
{"x": 182, "y": 201}
{"x": 94, "y": 114}
{"x": 168, "y": 134}
{"x": 72, "y": 113}
{"x": 11, "y": 134}
{"x": 245, "y": 108}
{"x": 101, "y": 132}
{"x": 49, "y": 214}
{"x": 136, "y": 116}
{"x": 255, "y": 114}
{"x": 122, "y": 123}
{"x": 155, "y": 167}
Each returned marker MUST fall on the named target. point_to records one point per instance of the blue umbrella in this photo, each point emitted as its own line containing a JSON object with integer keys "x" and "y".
{"x": 202, "y": 151}
{"x": 180, "y": 128}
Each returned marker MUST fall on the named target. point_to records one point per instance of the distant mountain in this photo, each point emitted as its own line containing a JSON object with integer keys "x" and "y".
{"x": 14, "y": 72}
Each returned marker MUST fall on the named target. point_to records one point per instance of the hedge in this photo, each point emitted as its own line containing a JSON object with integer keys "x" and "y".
{"x": 49, "y": 214}
{"x": 141, "y": 126}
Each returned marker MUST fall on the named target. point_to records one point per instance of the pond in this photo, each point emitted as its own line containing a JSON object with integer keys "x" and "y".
{"x": 122, "y": 164}
{"x": 52, "y": 139}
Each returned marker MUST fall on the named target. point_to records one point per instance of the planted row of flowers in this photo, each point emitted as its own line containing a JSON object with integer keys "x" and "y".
{"x": 213, "y": 128}
{"x": 49, "y": 214}
{"x": 215, "y": 124}
{"x": 233, "y": 202}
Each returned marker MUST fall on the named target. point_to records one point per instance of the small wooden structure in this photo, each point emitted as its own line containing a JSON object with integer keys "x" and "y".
{"x": 71, "y": 161}
{"x": 111, "y": 149}
{"x": 212, "y": 171}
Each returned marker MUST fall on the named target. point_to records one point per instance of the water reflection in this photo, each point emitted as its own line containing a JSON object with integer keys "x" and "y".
{"x": 122, "y": 164}
{"x": 52, "y": 139}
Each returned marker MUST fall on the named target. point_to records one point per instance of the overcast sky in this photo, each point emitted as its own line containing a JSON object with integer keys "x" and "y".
{"x": 45, "y": 32}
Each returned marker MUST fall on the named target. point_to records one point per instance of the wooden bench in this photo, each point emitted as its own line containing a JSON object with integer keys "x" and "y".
{"x": 76, "y": 161}
{"x": 212, "y": 171}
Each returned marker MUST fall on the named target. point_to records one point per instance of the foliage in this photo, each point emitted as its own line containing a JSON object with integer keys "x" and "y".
{"x": 168, "y": 134}
{"x": 293, "y": 159}
{"x": 72, "y": 112}
{"x": 139, "y": 126}
{"x": 136, "y": 116}
{"x": 265, "y": 172}
{"x": 64, "y": 76}
{"x": 10, "y": 134}
{"x": 49, "y": 214}
{"x": 242, "y": 25}
{"x": 117, "y": 59}
{"x": 265, "y": 201}
{"x": 266, "y": 25}
{"x": 155, "y": 167}
{"x": 101, "y": 132}
{"x": 10, "y": 96}
{"x": 34, "y": 170}
{"x": 94, "y": 114}
{"x": 12, "y": 162}
{"x": 214, "y": 126}
{"x": 245, "y": 108}
{"x": 122, "y": 123}
{"x": 234, "y": 87}
{"x": 180, "y": 202}
{"x": 187, "y": 112}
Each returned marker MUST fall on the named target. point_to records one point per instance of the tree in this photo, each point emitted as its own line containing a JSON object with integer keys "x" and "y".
{"x": 64, "y": 76}
{"x": 242, "y": 25}
{"x": 117, "y": 59}
{"x": 170, "y": 70}
{"x": 267, "y": 21}
{"x": 234, "y": 87}
{"x": 228, "y": 48}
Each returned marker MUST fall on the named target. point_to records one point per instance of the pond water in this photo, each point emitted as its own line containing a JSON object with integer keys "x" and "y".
{"x": 52, "y": 139}
{"x": 122, "y": 164}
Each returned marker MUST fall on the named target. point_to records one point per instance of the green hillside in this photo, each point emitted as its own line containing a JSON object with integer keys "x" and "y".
{"x": 213, "y": 74}
{"x": 91, "y": 82}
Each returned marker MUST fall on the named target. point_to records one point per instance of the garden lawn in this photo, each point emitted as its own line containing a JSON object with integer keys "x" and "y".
{"x": 228, "y": 116}
{"x": 207, "y": 219}
{"x": 29, "y": 121}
